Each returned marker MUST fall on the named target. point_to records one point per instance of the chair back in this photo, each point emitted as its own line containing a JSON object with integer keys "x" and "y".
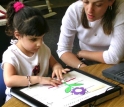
{"x": 2, "y": 88}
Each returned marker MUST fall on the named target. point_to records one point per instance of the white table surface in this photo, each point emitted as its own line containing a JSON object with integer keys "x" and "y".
{"x": 2, "y": 21}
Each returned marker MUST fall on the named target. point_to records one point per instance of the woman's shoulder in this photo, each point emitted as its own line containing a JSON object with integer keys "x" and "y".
{"x": 74, "y": 11}
{"x": 120, "y": 15}
{"x": 78, "y": 5}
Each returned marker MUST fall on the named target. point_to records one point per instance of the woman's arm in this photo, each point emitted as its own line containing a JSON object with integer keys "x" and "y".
{"x": 91, "y": 55}
{"x": 71, "y": 60}
{"x": 70, "y": 22}
{"x": 115, "y": 52}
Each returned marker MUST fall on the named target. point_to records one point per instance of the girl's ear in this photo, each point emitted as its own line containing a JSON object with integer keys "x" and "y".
{"x": 16, "y": 34}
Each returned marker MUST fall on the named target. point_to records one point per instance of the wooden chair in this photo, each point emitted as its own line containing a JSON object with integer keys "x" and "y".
{"x": 42, "y": 6}
{"x": 2, "y": 88}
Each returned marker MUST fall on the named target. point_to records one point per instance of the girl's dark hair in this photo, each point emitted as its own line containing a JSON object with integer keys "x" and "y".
{"x": 27, "y": 21}
{"x": 107, "y": 20}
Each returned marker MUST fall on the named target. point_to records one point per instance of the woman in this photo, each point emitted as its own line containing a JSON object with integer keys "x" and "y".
{"x": 99, "y": 26}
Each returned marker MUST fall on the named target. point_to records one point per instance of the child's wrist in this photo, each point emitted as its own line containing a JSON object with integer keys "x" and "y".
{"x": 57, "y": 65}
{"x": 29, "y": 81}
{"x": 39, "y": 79}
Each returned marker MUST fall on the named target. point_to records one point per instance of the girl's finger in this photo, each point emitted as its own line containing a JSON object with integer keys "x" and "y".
{"x": 55, "y": 82}
{"x": 60, "y": 74}
{"x": 64, "y": 71}
{"x": 67, "y": 69}
{"x": 53, "y": 75}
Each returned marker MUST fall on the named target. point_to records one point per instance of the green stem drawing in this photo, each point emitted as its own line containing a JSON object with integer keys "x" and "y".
{"x": 68, "y": 89}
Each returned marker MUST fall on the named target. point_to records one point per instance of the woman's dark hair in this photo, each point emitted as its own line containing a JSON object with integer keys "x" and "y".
{"x": 107, "y": 20}
{"x": 27, "y": 21}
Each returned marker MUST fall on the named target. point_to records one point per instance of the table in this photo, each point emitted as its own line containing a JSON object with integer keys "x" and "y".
{"x": 2, "y": 21}
{"x": 93, "y": 69}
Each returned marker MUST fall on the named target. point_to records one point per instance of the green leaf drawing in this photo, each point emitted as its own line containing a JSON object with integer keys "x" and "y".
{"x": 68, "y": 89}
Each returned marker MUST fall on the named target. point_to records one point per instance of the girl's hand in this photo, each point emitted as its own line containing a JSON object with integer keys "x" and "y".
{"x": 58, "y": 71}
{"x": 57, "y": 68}
{"x": 49, "y": 81}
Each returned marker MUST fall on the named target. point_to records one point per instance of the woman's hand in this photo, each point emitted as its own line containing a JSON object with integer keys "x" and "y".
{"x": 91, "y": 55}
{"x": 79, "y": 54}
{"x": 49, "y": 81}
{"x": 58, "y": 70}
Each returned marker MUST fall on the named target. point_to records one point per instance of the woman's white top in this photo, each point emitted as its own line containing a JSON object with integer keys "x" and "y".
{"x": 24, "y": 65}
{"x": 92, "y": 39}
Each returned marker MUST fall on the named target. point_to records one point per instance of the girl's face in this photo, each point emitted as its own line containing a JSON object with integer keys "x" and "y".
{"x": 29, "y": 44}
{"x": 95, "y": 9}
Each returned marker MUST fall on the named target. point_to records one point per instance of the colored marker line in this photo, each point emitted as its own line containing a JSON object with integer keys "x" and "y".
{"x": 65, "y": 81}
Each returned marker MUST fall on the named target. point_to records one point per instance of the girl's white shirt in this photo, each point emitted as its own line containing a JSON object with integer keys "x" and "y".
{"x": 24, "y": 64}
{"x": 92, "y": 39}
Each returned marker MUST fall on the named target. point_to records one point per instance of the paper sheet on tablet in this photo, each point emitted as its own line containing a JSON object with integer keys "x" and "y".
{"x": 76, "y": 88}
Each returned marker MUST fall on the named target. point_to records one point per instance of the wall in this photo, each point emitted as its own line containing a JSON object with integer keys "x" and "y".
{"x": 60, "y": 3}
{"x": 54, "y": 3}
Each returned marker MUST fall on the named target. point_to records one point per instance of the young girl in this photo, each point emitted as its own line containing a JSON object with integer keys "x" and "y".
{"x": 27, "y": 60}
